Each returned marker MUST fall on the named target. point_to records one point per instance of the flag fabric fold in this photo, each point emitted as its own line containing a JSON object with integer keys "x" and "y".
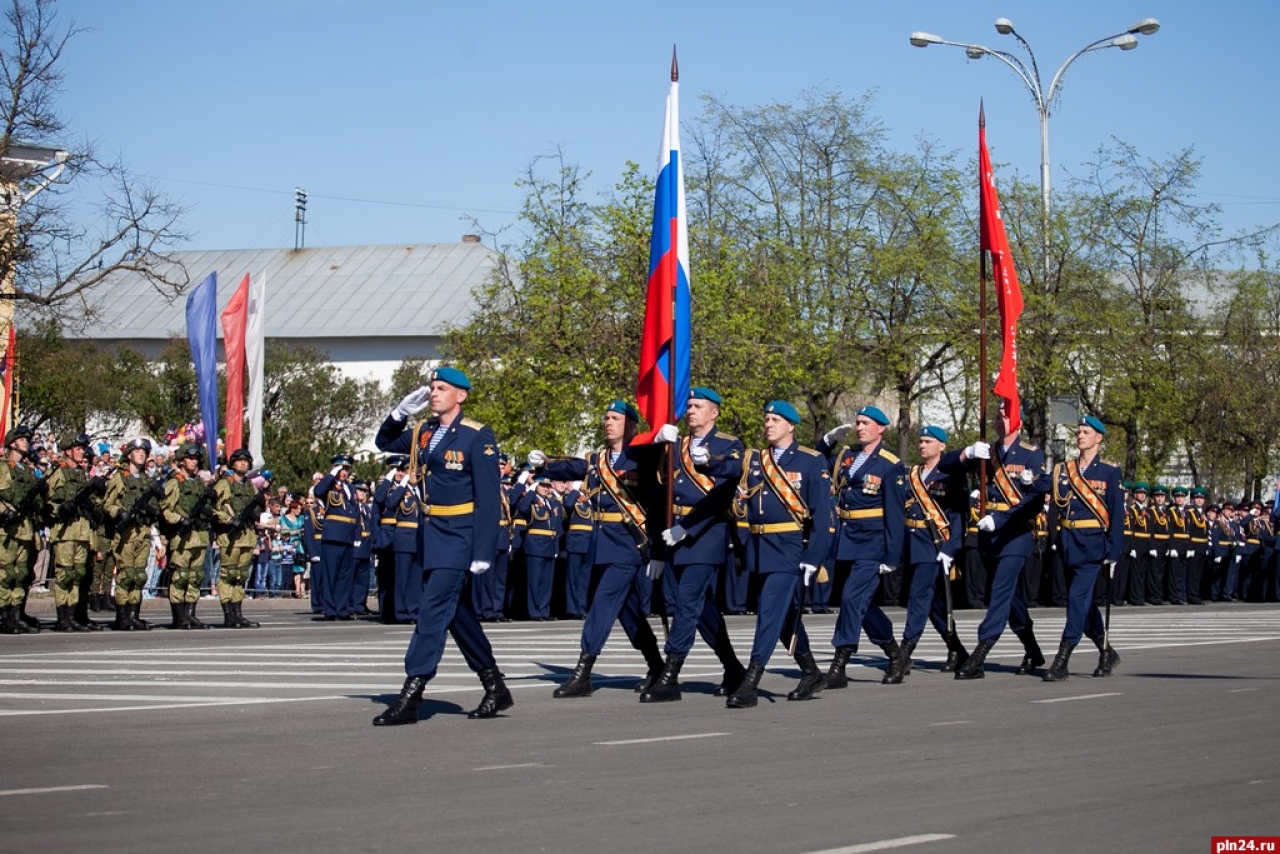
{"x": 254, "y": 351}
{"x": 202, "y": 334}
{"x": 994, "y": 240}
{"x": 234, "y": 320}
{"x": 662, "y": 386}
{"x": 8, "y": 413}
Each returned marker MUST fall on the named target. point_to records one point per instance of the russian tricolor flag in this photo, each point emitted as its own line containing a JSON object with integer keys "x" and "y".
{"x": 662, "y": 389}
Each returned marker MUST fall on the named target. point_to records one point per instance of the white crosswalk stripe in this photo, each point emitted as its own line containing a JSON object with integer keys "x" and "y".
{"x": 102, "y": 673}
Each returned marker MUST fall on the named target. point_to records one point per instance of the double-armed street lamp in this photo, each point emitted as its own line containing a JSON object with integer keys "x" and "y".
{"x": 1042, "y": 96}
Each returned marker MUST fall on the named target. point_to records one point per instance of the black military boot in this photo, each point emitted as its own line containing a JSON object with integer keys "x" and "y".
{"x": 836, "y": 677}
{"x": 63, "y": 623}
{"x": 7, "y": 625}
{"x": 1032, "y": 657}
{"x": 497, "y": 697}
{"x": 666, "y": 688}
{"x": 901, "y": 666}
{"x": 180, "y": 620}
{"x": 744, "y": 696}
{"x": 957, "y": 655}
{"x": 237, "y": 609}
{"x": 732, "y": 679}
{"x": 95, "y": 602}
{"x": 136, "y": 621}
{"x": 193, "y": 622}
{"x": 812, "y": 679}
{"x": 1108, "y": 658}
{"x": 657, "y": 664}
{"x": 972, "y": 668}
{"x": 1057, "y": 671}
{"x": 229, "y": 616}
{"x": 405, "y": 708}
{"x": 122, "y": 623}
{"x": 892, "y": 650}
{"x": 30, "y": 623}
{"x": 579, "y": 684}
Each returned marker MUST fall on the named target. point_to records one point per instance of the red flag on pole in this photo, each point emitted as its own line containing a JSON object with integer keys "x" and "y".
{"x": 235, "y": 317}
{"x": 993, "y": 239}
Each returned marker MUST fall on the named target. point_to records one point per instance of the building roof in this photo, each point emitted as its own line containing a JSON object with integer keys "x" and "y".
{"x": 416, "y": 289}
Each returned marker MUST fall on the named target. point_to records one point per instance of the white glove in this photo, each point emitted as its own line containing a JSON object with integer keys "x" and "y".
{"x": 1238, "y": 557}
{"x": 1133, "y": 553}
{"x": 987, "y": 523}
{"x": 1053, "y": 548}
{"x": 655, "y": 569}
{"x": 479, "y": 567}
{"x": 524, "y": 477}
{"x": 1173, "y": 553}
{"x": 975, "y": 495}
{"x": 1110, "y": 566}
{"x": 1152, "y": 553}
{"x": 1189, "y": 554}
{"x": 537, "y": 459}
{"x": 674, "y": 534}
{"x": 700, "y": 455}
{"x": 978, "y": 451}
{"x": 1027, "y": 476}
{"x": 316, "y": 559}
{"x": 356, "y": 544}
{"x": 835, "y": 434}
{"x": 1218, "y": 559}
{"x": 809, "y": 571}
{"x": 885, "y": 569}
{"x": 413, "y": 403}
{"x": 945, "y": 561}
{"x": 390, "y": 477}
{"x": 667, "y": 433}
{"x": 334, "y": 471}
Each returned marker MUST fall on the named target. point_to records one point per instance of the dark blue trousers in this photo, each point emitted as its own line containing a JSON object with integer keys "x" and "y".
{"x": 540, "y": 572}
{"x": 733, "y": 586}
{"x": 408, "y": 586}
{"x": 617, "y": 597}
{"x": 360, "y": 586}
{"x": 856, "y": 610}
{"x": 1083, "y": 616}
{"x": 446, "y": 608}
{"x": 577, "y": 578}
{"x": 337, "y": 565}
{"x": 488, "y": 590}
{"x": 693, "y": 603}
{"x": 777, "y": 617}
{"x": 1007, "y": 606}
{"x": 925, "y": 600}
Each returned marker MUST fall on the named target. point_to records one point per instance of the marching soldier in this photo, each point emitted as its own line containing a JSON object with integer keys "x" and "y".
{"x": 188, "y": 510}
{"x": 1179, "y": 547}
{"x": 612, "y": 481}
{"x": 1159, "y": 551}
{"x": 1140, "y": 543}
{"x": 338, "y": 537}
{"x": 936, "y": 507}
{"x": 132, "y": 504}
{"x": 453, "y": 464}
{"x": 1198, "y": 549}
{"x": 870, "y": 489}
{"x": 697, "y": 544}
{"x": 21, "y": 512}
{"x": 1015, "y": 495}
{"x": 72, "y": 541}
{"x": 237, "y": 503}
{"x": 1088, "y": 509}
{"x": 786, "y": 491}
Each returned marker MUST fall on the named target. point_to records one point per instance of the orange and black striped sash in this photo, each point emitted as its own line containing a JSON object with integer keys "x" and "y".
{"x": 609, "y": 480}
{"x": 930, "y": 507}
{"x": 777, "y": 480}
{"x": 704, "y": 482}
{"x": 1086, "y": 493}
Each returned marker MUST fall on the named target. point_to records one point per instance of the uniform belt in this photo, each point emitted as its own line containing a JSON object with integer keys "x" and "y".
{"x": 449, "y": 509}
{"x": 580, "y": 528}
{"x": 607, "y": 516}
{"x": 387, "y": 520}
{"x": 1137, "y": 536}
{"x": 1080, "y": 523}
{"x": 540, "y": 532}
{"x": 872, "y": 513}
{"x": 1254, "y": 542}
{"x": 1198, "y": 540}
{"x": 1161, "y": 536}
{"x": 776, "y": 528}
{"x": 406, "y": 524}
{"x": 334, "y": 517}
{"x": 917, "y": 523}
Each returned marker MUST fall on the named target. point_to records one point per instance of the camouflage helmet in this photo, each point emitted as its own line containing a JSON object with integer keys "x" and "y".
{"x": 189, "y": 451}
{"x": 134, "y": 444}
{"x": 22, "y": 431}
{"x": 240, "y": 454}
{"x": 80, "y": 440}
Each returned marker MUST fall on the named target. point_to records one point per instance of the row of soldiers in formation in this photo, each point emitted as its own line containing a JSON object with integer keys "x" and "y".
{"x": 668, "y": 508}
{"x": 114, "y": 515}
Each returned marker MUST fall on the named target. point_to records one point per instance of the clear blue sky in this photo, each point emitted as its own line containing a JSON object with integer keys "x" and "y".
{"x": 400, "y": 116}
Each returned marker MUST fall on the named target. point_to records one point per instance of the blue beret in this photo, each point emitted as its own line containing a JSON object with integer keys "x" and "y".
{"x": 935, "y": 432}
{"x": 782, "y": 409}
{"x": 453, "y": 377}
{"x": 1091, "y": 421}
{"x": 874, "y": 413}
{"x": 623, "y": 407}
{"x": 703, "y": 393}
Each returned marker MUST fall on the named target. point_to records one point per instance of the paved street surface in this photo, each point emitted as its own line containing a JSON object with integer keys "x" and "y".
{"x": 259, "y": 740}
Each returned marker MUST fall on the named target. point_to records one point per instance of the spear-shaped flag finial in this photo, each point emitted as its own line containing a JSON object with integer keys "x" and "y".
{"x": 982, "y": 114}
{"x": 675, "y": 66}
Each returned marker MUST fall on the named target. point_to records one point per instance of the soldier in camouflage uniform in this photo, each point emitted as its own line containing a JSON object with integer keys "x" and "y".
{"x": 132, "y": 506}
{"x": 236, "y": 508}
{"x": 188, "y": 512}
{"x": 21, "y": 513}
{"x": 72, "y": 540}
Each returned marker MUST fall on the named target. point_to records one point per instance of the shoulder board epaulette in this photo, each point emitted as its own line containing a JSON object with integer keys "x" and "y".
{"x": 888, "y": 456}
{"x": 472, "y": 423}
{"x": 1108, "y": 463}
{"x": 1028, "y": 446}
{"x": 810, "y": 451}
{"x": 729, "y": 437}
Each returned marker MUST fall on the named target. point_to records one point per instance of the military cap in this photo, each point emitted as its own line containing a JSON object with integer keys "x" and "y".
{"x": 397, "y": 461}
{"x": 623, "y": 407}
{"x": 1093, "y": 422}
{"x": 1160, "y": 489}
{"x": 933, "y": 431}
{"x": 1180, "y": 490}
{"x": 1213, "y": 507}
{"x": 875, "y": 414}
{"x": 135, "y": 444}
{"x": 341, "y": 460}
{"x": 1199, "y": 492}
{"x": 783, "y": 410}
{"x": 1228, "y": 505}
{"x": 79, "y": 441}
{"x": 541, "y": 480}
{"x": 452, "y": 376}
{"x": 703, "y": 393}
{"x": 240, "y": 454}
{"x": 358, "y": 483}
{"x": 190, "y": 451}
{"x": 1141, "y": 486}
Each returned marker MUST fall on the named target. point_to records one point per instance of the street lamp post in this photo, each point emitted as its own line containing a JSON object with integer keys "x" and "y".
{"x": 1042, "y": 97}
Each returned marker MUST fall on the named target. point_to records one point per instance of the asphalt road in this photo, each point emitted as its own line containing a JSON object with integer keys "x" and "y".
{"x": 259, "y": 740}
